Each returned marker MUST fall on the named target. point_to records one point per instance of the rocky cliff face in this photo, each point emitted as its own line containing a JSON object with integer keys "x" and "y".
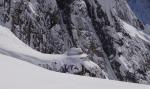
{"x": 101, "y": 28}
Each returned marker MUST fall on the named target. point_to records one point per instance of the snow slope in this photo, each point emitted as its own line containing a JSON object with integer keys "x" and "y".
{"x": 74, "y": 61}
{"x": 17, "y": 74}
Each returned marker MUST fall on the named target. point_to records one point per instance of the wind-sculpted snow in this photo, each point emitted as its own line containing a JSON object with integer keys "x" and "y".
{"x": 106, "y": 30}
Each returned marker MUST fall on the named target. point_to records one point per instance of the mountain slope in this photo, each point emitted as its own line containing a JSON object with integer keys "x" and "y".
{"x": 100, "y": 28}
{"x": 18, "y": 74}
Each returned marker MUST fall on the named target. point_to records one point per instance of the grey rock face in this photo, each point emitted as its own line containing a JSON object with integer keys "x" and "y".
{"x": 54, "y": 26}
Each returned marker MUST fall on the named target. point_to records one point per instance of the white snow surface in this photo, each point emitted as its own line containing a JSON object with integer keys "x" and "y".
{"x": 17, "y": 74}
